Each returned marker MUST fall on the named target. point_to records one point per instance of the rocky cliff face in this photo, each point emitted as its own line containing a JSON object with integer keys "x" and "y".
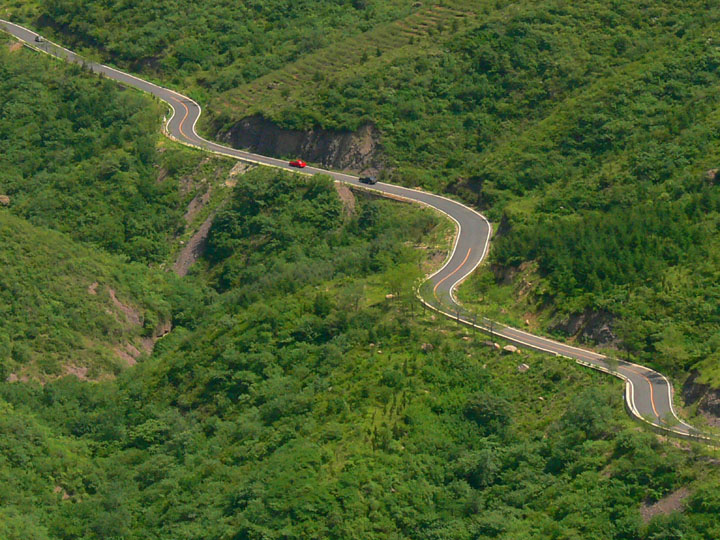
{"x": 707, "y": 399}
{"x": 589, "y": 326}
{"x": 356, "y": 151}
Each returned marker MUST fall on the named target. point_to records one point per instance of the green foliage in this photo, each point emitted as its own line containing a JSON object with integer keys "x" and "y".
{"x": 490, "y": 412}
{"x": 598, "y": 117}
{"x": 295, "y": 401}
{"x": 57, "y": 308}
{"x": 217, "y": 45}
{"x": 77, "y": 154}
{"x": 314, "y": 412}
{"x": 281, "y": 232}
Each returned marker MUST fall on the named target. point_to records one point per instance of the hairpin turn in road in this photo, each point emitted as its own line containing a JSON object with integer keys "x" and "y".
{"x": 648, "y": 394}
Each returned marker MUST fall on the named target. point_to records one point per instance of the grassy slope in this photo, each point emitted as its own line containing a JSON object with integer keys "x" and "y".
{"x": 206, "y": 47}
{"x": 542, "y": 112}
{"x": 85, "y": 158}
{"x": 51, "y": 322}
{"x": 311, "y": 410}
{"x": 308, "y": 413}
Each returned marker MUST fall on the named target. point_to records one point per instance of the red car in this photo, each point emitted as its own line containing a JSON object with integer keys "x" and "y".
{"x": 298, "y": 163}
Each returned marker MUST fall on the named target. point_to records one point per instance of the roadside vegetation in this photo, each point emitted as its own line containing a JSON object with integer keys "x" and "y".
{"x": 586, "y": 130}
{"x": 84, "y": 156}
{"x": 206, "y": 46}
{"x": 302, "y": 391}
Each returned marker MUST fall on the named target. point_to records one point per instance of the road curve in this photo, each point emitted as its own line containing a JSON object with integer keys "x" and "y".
{"x": 648, "y": 394}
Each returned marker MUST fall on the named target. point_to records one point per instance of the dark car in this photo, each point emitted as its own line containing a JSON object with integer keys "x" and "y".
{"x": 368, "y": 179}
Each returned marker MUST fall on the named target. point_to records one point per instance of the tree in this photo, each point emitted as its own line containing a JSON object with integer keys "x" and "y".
{"x": 491, "y": 413}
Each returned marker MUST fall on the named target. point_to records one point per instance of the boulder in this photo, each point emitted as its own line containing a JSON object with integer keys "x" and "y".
{"x": 712, "y": 176}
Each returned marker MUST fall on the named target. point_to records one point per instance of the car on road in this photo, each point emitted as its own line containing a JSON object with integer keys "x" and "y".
{"x": 39, "y": 39}
{"x": 298, "y": 163}
{"x": 368, "y": 179}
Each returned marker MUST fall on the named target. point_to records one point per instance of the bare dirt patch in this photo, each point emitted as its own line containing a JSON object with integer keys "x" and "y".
{"x": 437, "y": 258}
{"x": 241, "y": 167}
{"x": 347, "y": 198}
{"x": 60, "y": 490}
{"x": 666, "y": 505}
{"x": 194, "y": 249}
{"x": 77, "y": 371}
{"x": 128, "y": 353}
{"x": 15, "y": 47}
{"x": 194, "y": 179}
{"x": 131, "y": 314}
{"x": 432, "y": 259}
{"x": 197, "y": 204}
{"x": 161, "y": 174}
{"x": 92, "y": 288}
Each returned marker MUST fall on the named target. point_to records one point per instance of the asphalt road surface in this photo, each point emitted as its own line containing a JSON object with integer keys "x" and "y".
{"x": 648, "y": 394}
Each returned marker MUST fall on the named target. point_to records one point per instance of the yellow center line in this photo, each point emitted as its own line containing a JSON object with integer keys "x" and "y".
{"x": 452, "y": 273}
{"x": 187, "y": 113}
{"x": 652, "y": 394}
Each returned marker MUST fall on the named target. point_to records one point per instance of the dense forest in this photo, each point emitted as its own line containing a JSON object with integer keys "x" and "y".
{"x": 77, "y": 154}
{"x": 309, "y": 405}
{"x": 293, "y": 397}
{"x": 582, "y": 128}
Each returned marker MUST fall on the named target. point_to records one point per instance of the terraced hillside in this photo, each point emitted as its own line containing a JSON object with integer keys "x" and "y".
{"x": 351, "y": 57}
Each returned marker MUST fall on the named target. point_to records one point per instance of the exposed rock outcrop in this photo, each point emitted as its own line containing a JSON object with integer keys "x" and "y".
{"x": 132, "y": 315}
{"x": 469, "y": 190}
{"x": 707, "y": 399}
{"x": 347, "y": 198}
{"x": 348, "y": 150}
{"x": 589, "y": 326}
{"x": 197, "y": 204}
{"x": 675, "y": 502}
{"x": 194, "y": 249}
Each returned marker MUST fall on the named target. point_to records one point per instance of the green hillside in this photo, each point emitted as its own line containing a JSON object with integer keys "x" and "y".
{"x": 303, "y": 392}
{"x": 67, "y": 308}
{"x": 313, "y": 406}
{"x": 587, "y": 129}
{"x": 210, "y": 46}
{"x": 85, "y": 156}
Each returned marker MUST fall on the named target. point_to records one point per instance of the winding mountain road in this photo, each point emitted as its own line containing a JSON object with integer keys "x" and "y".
{"x": 648, "y": 394}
